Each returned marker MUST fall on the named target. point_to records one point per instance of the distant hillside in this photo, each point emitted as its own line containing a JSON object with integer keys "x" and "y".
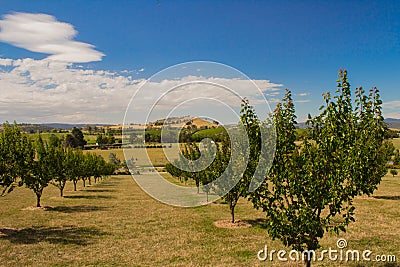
{"x": 393, "y": 123}
{"x": 173, "y": 122}
{"x": 48, "y": 127}
{"x": 183, "y": 122}
{"x": 67, "y": 126}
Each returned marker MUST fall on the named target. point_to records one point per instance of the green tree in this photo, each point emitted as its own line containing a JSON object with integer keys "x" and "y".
{"x": 208, "y": 172}
{"x": 76, "y": 169}
{"x": 75, "y": 139}
{"x": 88, "y": 166}
{"x": 101, "y": 140}
{"x": 173, "y": 170}
{"x": 99, "y": 167}
{"x": 71, "y": 166}
{"x": 59, "y": 164}
{"x": 16, "y": 154}
{"x": 393, "y": 172}
{"x": 41, "y": 169}
{"x": 110, "y": 139}
{"x": 396, "y": 157}
{"x": 310, "y": 190}
{"x": 228, "y": 183}
{"x": 113, "y": 159}
{"x": 236, "y": 183}
{"x": 54, "y": 140}
{"x": 191, "y": 152}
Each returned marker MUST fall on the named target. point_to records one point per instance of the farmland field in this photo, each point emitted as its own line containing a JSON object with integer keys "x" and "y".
{"x": 156, "y": 155}
{"x": 115, "y": 223}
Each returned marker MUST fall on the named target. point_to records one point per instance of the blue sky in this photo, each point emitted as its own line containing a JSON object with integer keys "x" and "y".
{"x": 297, "y": 44}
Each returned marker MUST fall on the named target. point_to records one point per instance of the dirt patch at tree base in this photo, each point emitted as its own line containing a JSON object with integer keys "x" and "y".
{"x": 228, "y": 224}
{"x": 38, "y": 208}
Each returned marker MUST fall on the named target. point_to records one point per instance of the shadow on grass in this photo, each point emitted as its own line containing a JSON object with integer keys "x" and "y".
{"x": 260, "y": 223}
{"x": 72, "y": 209}
{"x": 56, "y": 235}
{"x": 105, "y": 185}
{"x": 99, "y": 190}
{"x": 87, "y": 197}
{"x": 388, "y": 197}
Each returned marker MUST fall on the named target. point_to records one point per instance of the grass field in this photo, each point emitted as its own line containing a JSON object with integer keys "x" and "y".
{"x": 114, "y": 223}
{"x": 396, "y": 142}
{"x": 156, "y": 155}
{"x": 90, "y": 139}
{"x": 209, "y": 133}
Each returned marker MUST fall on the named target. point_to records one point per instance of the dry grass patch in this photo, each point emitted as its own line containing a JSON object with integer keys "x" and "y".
{"x": 116, "y": 223}
{"x": 229, "y": 224}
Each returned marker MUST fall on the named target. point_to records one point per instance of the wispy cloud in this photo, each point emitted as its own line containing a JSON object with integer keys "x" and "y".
{"x": 302, "y": 100}
{"x": 391, "y": 109}
{"x": 395, "y": 104}
{"x": 394, "y": 115}
{"x": 44, "y": 34}
{"x": 52, "y": 91}
{"x": 303, "y": 94}
{"x": 48, "y": 91}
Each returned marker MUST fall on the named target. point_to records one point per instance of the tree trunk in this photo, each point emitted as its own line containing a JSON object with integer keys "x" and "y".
{"x": 312, "y": 246}
{"x": 308, "y": 262}
{"x": 90, "y": 181}
{"x": 62, "y": 185}
{"x": 75, "y": 184}
{"x": 232, "y": 208}
{"x": 84, "y": 182}
{"x": 207, "y": 196}
{"x": 38, "y": 196}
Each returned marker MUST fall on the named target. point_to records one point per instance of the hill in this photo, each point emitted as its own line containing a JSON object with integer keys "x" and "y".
{"x": 393, "y": 123}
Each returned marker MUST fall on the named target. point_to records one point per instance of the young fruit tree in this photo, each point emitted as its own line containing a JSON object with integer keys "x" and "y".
{"x": 59, "y": 165}
{"x": 41, "y": 168}
{"x": 393, "y": 172}
{"x": 242, "y": 155}
{"x": 15, "y": 154}
{"x": 75, "y": 163}
{"x": 310, "y": 188}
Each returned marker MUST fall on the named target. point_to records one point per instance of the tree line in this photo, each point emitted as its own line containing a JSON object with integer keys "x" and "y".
{"x": 36, "y": 163}
{"x": 310, "y": 188}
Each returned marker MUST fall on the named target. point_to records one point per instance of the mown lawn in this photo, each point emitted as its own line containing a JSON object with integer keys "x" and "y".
{"x": 114, "y": 223}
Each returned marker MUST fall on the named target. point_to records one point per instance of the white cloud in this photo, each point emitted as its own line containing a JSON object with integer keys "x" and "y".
{"x": 52, "y": 91}
{"x": 44, "y": 34}
{"x": 275, "y": 93}
{"x": 303, "y": 94}
{"x": 5, "y": 62}
{"x": 395, "y": 104}
{"x": 391, "y": 109}
{"x": 213, "y": 97}
{"x": 303, "y": 101}
{"x": 393, "y": 115}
